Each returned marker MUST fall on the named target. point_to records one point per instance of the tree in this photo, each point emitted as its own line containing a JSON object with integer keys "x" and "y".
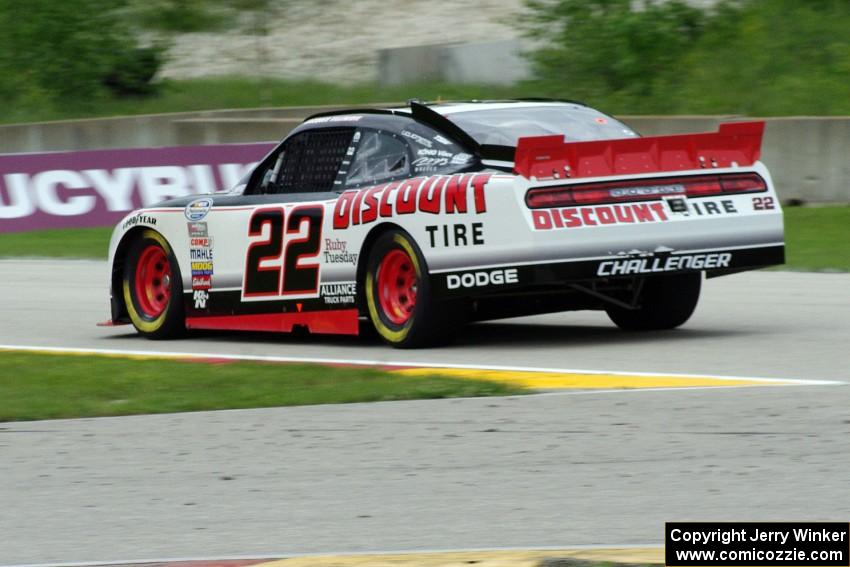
{"x": 610, "y": 45}
{"x": 67, "y": 50}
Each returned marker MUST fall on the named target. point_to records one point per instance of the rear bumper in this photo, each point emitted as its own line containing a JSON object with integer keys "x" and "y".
{"x": 520, "y": 278}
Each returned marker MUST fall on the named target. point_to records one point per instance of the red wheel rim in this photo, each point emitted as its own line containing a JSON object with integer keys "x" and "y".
{"x": 153, "y": 281}
{"x": 397, "y": 286}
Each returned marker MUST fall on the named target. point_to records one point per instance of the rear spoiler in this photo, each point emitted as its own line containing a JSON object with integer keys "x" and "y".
{"x": 735, "y": 144}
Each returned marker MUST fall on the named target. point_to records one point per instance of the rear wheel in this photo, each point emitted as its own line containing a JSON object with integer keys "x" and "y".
{"x": 398, "y": 294}
{"x": 665, "y": 303}
{"x": 153, "y": 289}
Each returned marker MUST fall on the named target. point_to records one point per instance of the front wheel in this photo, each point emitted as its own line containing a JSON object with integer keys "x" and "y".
{"x": 398, "y": 294}
{"x": 153, "y": 289}
{"x": 665, "y": 303}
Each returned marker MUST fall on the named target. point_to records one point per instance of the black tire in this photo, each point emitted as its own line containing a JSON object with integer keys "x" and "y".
{"x": 416, "y": 323}
{"x": 665, "y": 303}
{"x": 155, "y": 315}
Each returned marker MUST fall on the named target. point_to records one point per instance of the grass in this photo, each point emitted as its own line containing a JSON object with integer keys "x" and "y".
{"x": 57, "y": 243}
{"x": 53, "y": 386}
{"x": 816, "y": 239}
{"x": 239, "y": 92}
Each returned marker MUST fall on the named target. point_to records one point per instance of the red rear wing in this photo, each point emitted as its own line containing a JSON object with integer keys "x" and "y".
{"x": 550, "y": 157}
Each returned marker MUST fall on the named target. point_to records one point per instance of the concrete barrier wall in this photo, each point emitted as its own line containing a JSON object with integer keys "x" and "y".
{"x": 155, "y": 130}
{"x": 490, "y": 63}
{"x": 809, "y": 157}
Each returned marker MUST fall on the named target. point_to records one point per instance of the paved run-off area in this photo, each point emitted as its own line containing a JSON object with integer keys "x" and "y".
{"x": 571, "y": 468}
{"x": 549, "y": 470}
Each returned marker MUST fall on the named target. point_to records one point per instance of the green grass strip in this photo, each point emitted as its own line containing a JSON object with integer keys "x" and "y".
{"x": 818, "y": 238}
{"x": 52, "y": 386}
{"x": 57, "y": 243}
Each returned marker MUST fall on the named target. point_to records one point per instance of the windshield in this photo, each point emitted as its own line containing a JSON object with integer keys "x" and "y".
{"x": 504, "y": 126}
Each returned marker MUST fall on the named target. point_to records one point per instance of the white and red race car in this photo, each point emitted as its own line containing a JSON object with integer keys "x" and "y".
{"x": 425, "y": 217}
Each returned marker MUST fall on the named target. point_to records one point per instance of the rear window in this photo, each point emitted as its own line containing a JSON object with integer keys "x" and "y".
{"x": 505, "y": 126}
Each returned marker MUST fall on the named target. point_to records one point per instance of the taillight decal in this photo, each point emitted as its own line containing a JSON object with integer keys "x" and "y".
{"x": 643, "y": 190}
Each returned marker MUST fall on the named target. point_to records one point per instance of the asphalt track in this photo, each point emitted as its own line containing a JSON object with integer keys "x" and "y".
{"x": 571, "y": 468}
{"x": 772, "y": 324}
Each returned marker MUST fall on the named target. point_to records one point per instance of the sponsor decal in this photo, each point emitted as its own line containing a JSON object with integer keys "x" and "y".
{"x": 417, "y": 138}
{"x": 197, "y": 210}
{"x": 139, "y": 219}
{"x": 438, "y": 194}
{"x": 482, "y": 279}
{"x": 648, "y": 190}
{"x": 339, "y": 293}
{"x": 442, "y": 140}
{"x": 197, "y": 229}
{"x": 101, "y": 187}
{"x": 577, "y": 217}
{"x": 201, "y": 254}
{"x": 636, "y": 266}
{"x": 447, "y": 235}
{"x": 692, "y": 207}
{"x": 202, "y": 268}
{"x": 431, "y": 159}
{"x": 461, "y": 159}
{"x": 341, "y": 118}
{"x": 200, "y": 296}
{"x": 201, "y": 282}
{"x": 336, "y": 252}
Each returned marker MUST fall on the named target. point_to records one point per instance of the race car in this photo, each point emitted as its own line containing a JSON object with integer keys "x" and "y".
{"x": 422, "y": 218}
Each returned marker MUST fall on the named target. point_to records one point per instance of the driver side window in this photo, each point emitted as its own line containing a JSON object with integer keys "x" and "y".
{"x": 380, "y": 156}
{"x": 309, "y": 162}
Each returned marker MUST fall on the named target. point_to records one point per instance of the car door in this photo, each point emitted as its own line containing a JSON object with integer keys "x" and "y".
{"x": 267, "y": 241}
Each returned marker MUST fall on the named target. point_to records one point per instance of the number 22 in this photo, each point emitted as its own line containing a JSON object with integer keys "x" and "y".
{"x": 278, "y": 265}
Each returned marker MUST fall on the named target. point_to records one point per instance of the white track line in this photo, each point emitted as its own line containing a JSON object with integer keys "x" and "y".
{"x": 277, "y": 556}
{"x": 398, "y": 364}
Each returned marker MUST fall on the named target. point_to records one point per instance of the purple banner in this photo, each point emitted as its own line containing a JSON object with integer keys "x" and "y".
{"x": 97, "y": 188}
